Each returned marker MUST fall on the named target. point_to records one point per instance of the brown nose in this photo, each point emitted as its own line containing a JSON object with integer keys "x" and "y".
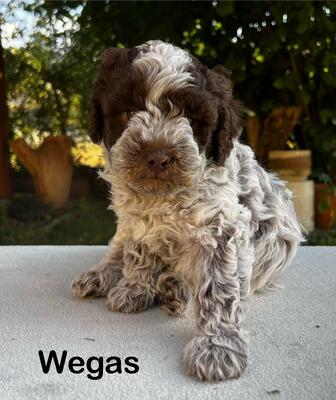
{"x": 158, "y": 161}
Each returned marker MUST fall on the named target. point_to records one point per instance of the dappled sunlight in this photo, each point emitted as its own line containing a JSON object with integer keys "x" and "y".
{"x": 87, "y": 154}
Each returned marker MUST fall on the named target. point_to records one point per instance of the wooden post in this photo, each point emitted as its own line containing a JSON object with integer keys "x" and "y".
{"x": 5, "y": 181}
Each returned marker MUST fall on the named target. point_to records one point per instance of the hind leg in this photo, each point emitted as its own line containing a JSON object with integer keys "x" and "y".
{"x": 272, "y": 257}
{"x": 245, "y": 253}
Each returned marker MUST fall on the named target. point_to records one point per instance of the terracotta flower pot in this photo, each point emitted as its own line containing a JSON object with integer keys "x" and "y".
{"x": 303, "y": 199}
{"x": 294, "y": 166}
{"x": 291, "y": 165}
{"x": 50, "y": 166}
{"x": 325, "y": 206}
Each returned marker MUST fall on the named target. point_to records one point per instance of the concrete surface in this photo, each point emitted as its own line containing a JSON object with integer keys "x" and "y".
{"x": 292, "y": 334}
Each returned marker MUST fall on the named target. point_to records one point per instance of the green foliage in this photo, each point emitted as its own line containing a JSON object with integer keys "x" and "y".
{"x": 42, "y": 98}
{"x": 280, "y": 53}
{"x": 322, "y": 238}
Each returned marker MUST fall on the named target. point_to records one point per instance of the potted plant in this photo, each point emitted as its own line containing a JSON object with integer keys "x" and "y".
{"x": 325, "y": 201}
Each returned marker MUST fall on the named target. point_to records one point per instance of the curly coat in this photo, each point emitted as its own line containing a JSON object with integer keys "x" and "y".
{"x": 196, "y": 213}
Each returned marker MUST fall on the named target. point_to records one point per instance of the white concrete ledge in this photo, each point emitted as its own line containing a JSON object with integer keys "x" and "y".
{"x": 292, "y": 334}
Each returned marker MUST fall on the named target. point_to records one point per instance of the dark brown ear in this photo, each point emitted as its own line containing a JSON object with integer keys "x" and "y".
{"x": 229, "y": 122}
{"x": 113, "y": 61}
{"x": 96, "y": 121}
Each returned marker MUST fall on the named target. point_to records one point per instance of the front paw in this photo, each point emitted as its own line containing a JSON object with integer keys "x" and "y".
{"x": 87, "y": 285}
{"x": 215, "y": 358}
{"x": 173, "y": 294}
{"x": 130, "y": 299}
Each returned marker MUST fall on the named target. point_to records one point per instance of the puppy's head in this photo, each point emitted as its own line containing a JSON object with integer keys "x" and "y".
{"x": 159, "y": 113}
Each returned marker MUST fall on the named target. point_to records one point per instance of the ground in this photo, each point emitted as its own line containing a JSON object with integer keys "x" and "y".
{"x": 292, "y": 353}
{"x": 24, "y": 220}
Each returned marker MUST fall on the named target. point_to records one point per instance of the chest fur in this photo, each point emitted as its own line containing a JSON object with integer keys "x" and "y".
{"x": 164, "y": 235}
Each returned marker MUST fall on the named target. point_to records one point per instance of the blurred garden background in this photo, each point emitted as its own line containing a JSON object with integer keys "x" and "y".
{"x": 283, "y": 61}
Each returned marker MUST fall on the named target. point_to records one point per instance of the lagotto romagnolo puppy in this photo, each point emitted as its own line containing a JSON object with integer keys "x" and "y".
{"x": 196, "y": 213}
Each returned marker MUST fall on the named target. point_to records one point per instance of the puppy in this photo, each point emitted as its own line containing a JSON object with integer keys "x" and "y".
{"x": 196, "y": 213}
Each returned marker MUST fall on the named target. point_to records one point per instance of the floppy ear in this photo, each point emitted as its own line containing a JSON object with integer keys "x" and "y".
{"x": 113, "y": 60}
{"x": 96, "y": 121}
{"x": 229, "y": 124}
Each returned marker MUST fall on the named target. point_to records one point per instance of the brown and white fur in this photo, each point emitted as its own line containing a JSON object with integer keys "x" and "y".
{"x": 196, "y": 213}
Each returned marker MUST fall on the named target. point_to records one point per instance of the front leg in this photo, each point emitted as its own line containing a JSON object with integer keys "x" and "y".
{"x": 173, "y": 293}
{"x": 98, "y": 280}
{"x": 219, "y": 350}
{"x": 136, "y": 291}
